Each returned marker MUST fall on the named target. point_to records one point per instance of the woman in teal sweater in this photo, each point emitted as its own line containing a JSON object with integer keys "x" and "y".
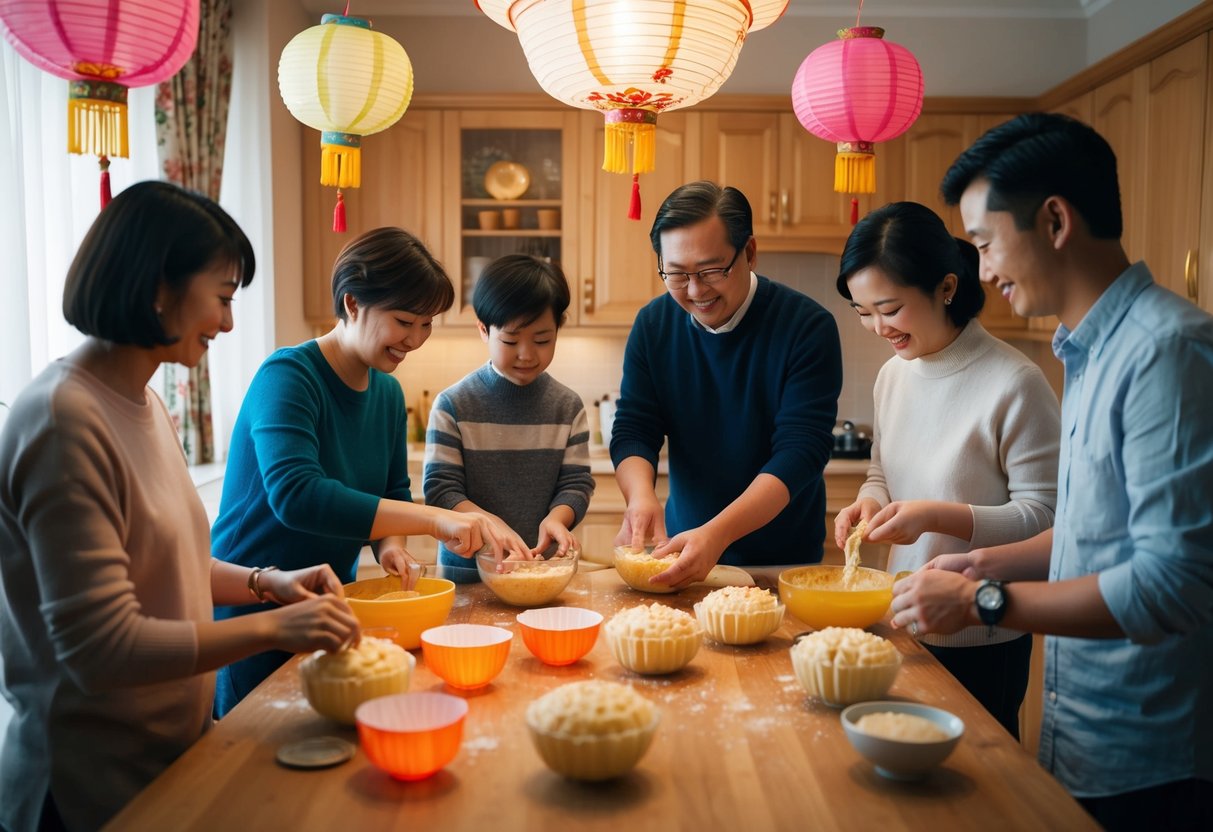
{"x": 318, "y": 462}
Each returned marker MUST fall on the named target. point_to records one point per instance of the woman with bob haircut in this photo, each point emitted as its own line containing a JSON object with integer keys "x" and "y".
{"x": 106, "y": 574}
{"x": 966, "y": 429}
{"x": 318, "y": 464}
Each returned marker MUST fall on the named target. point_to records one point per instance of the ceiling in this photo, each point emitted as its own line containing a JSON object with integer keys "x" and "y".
{"x": 1042, "y": 9}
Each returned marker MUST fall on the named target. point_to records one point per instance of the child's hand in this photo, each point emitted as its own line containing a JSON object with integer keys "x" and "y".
{"x": 552, "y": 531}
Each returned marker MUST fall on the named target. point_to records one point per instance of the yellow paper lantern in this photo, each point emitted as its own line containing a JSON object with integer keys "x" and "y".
{"x": 347, "y": 81}
{"x": 632, "y": 59}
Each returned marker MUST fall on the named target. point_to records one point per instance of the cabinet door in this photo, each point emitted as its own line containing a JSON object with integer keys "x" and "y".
{"x": 742, "y": 150}
{"x": 400, "y": 187}
{"x": 808, "y": 205}
{"x": 1079, "y": 108}
{"x": 618, "y": 273}
{"x": 530, "y": 209}
{"x": 1118, "y": 113}
{"x": 931, "y": 146}
{"x": 1175, "y": 155}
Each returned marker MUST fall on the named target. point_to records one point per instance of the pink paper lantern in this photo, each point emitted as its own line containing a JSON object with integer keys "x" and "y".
{"x": 103, "y": 48}
{"x": 857, "y": 91}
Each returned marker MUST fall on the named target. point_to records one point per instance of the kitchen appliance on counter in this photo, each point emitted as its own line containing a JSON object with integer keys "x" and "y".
{"x": 851, "y": 442}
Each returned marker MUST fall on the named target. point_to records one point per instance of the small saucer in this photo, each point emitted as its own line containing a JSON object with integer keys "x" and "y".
{"x": 315, "y": 752}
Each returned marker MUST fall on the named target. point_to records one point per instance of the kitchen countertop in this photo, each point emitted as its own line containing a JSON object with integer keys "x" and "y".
{"x": 739, "y": 747}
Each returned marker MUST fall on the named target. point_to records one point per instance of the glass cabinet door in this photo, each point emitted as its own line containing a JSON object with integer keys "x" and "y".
{"x": 508, "y": 193}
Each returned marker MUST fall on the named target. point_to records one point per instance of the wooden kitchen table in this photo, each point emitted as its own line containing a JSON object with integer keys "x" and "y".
{"x": 740, "y": 746}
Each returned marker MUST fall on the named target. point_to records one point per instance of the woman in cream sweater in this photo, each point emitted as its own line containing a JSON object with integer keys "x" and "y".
{"x": 966, "y": 428}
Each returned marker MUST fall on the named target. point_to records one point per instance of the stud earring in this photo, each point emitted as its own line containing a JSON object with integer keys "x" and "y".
{"x": 159, "y": 310}
{"x": 947, "y": 301}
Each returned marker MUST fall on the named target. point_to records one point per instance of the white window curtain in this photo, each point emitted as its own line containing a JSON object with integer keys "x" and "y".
{"x": 50, "y": 198}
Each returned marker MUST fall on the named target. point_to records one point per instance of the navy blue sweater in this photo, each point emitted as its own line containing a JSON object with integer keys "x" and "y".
{"x": 761, "y": 398}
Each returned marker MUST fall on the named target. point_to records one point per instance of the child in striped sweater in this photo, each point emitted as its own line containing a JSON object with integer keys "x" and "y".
{"x": 509, "y": 440}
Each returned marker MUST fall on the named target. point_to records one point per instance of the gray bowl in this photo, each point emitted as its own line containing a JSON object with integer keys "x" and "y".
{"x": 902, "y": 759}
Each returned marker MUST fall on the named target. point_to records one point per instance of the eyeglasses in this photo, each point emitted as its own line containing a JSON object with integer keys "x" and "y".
{"x": 680, "y": 280}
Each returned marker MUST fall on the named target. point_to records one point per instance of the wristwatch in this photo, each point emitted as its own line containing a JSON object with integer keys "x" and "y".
{"x": 991, "y": 603}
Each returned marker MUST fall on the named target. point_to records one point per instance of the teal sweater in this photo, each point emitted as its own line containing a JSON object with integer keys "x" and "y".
{"x": 309, "y": 462}
{"x": 761, "y": 398}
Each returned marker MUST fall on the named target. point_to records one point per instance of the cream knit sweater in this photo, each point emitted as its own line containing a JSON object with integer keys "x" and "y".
{"x": 974, "y": 423}
{"x": 104, "y": 573}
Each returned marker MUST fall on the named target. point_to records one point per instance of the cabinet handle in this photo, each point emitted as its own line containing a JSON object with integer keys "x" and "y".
{"x": 772, "y": 214}
{"x": 1190, "y": 276}
{"x": 587, "y": 295}
{"x": 787, "y": 214}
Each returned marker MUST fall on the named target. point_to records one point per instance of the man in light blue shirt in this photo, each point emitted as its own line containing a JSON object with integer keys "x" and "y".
{"x": 1128, "y": 600}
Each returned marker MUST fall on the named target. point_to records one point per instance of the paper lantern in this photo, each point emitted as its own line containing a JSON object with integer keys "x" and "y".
{"x": 103, "y": 48}
{"x": 857, "y": 91}
{"x": 347, "y": 81}
{"x": 632, "y": 59}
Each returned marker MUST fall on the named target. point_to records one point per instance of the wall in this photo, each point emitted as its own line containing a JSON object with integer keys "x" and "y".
{"x": 1117, "y": 23}
{"x": 592, "y": 364}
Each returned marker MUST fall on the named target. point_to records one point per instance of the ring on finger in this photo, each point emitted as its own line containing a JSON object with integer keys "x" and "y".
{"x": 914, "y": 627}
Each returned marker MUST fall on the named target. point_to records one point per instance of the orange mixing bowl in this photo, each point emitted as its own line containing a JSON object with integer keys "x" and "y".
{"x": 466, "y": 656}
{"x": 409, "y": 616}
{"x": 817, "y": 596}
{"x": 411, "y": 735}
{"x": 559, "y": 635}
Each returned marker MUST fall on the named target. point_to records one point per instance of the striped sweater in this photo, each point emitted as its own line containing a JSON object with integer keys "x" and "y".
{"x": 516, "y": 451}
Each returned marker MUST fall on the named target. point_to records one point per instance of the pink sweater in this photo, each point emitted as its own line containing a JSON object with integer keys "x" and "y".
{"x": 104, "y": 571}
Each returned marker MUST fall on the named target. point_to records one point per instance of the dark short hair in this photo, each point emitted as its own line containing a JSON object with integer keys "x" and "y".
{"x": 520, "y": 287}
{"x": 389, "y": 268}
{"x": 912, "y": 246}
{"x": 696, "y": 201}
{"x": 1038, "y": 155}
{"x": 151, "y": 234}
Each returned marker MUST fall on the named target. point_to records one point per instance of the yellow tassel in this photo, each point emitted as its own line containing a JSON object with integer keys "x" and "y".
{"x": 619, "y": 136}
{"x": 855, "y": 173}
{"x": 96, "y": 127}
{"x": 340, "y": 166}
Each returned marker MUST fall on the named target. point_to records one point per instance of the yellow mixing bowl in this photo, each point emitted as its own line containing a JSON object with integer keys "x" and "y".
{"x": 816, "y": 595}
{"x": 408, "y": 615}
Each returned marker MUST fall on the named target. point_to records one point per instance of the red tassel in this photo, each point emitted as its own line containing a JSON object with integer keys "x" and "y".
{"x": 339, "y": 214}
{"x": 104, "y": 163}
{"x": 854, "y": 210}
{"x": 634, "y": 205}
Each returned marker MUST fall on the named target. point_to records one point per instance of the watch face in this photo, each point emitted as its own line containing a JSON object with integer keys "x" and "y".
{"x": 989, "y": 596}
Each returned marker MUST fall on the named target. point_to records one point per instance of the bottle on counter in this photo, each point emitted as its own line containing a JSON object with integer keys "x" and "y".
{"x": 416, "y": 432}
{"x": 596, "y": 425}
{"x": 425, "y": 413}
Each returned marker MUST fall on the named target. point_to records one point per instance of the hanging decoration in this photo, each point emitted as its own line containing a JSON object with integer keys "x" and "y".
{"x": 103, "y": 48}
{"x": 347, "y": 81}
{"x": 857, "y": 91}
{"x": 632, "y": 60}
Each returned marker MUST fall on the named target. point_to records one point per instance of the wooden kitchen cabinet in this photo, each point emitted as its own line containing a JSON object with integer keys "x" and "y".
{"x": 400, "y": 187}
{"x": 618, "y": 270}
{"x": 1177, "y": 136}
{"x": 787, "y": 174}
{"x": 544, "y": 143}
{"x": 930, "y": 146}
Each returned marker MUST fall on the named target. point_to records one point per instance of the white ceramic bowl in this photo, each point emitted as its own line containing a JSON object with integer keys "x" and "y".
{"x": 902, "y": 759}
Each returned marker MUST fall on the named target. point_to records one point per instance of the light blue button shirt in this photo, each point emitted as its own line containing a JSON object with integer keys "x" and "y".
{"x": 1135, "y": 504}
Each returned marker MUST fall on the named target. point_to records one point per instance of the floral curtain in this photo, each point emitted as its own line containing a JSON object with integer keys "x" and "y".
{"x": 191, "y": 127}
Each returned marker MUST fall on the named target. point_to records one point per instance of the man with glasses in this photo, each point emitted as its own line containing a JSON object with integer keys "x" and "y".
{"x": 741, "y": 375}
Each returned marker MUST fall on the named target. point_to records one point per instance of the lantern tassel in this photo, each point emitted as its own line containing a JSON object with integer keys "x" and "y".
{"x": 855, "y": 173}
{"x": 106, "y": 194}
{"x": 630, "y": 128}
{"x": 634, "y": 204}
{"x": 854, "y": 210}
{"x": 340, "y": 166}
{"x": 339, "y": 214}
{"x": 96, "y": 127}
